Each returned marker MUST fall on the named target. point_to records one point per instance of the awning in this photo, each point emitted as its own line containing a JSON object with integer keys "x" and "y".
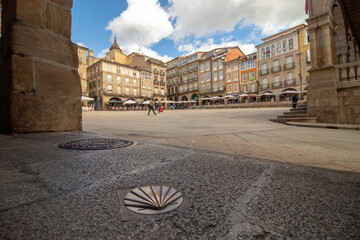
{"x": 289, "y": 92}
{"x": 146, "y": 102}
{"x": 83, "y": 98}
{"x": 244, "y": 95}
{"x": 130, "y": 102}
{"x": 267, "y": 94}
{"x": 206, "y": 98}
{"x": 253, "y": 95}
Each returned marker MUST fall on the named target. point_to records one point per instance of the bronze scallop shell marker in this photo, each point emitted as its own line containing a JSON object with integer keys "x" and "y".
{"x": 153, "y": 199}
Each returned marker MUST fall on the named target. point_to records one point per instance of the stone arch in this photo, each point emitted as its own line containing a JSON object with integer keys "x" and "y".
{"x": 184, "y": 98}
{"x": 195, "y": 97}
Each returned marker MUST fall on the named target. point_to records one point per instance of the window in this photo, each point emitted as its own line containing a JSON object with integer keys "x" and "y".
{"x": 215, "y": 76}
{"x": 262, "y": 53}
{"x": 277, "y": 81}
{"x": 276, "y": 63}
{"x": 118, "y": 90}
{"x": 202, "y": 77}
{"x": 236, "y": 76}
{"x": 229, "y": 89}
{"x": 221, "y": 86}
{"x": 264, "y": 66}
{"x": 207, "y": 76}
{"x": 134, "y": 74}
{"x": 289, "y": 60}
{"x": 127, "y": 71}
{"x": 245, "y": 89}
{"x": 308, "y": 56}
{"x": 208, "y": 87}
{"x": 244, "y": 77}
{"x": 291, "y": 44}
{"x": 118, "y": 80}
{"x": 149, "y": 93}
{"x": 127, "y": 91}
{"x": 109, "y": 78}
{"x": 252, "y": 87}
{"x": 214, "y": 66}
{"x": 236, "y": 66}
{"x": 265, "y": 81}
{"x": 229, "y": 77}
{"x": 149, "y": 85}
{"x": 273, "y": 52}
{"x": 221, "y": 75}
{"x": 195, "y": 67}
{"x": 142, "y": 84}
{"x": 215, "y": 87}
{"x": 109, "y": 66}
{"x": 156, "y": 90}
{"x": 278, "y": 48}
{"x": 109, "y": 89}
{"x": 202, "y": 88}
{"x": 207, "y": 66}
{"x": 307, "y": 38}
{"x": 228, "y": 67}
{"x": 201, "y": 67}
{"x": 191, "y": 87}
{"x": 118, "y": 69}
{"x": 162, "y": 92}
{"x": 290, "y": 75}
{"x": 284, "y": 43}
{"x": 143, "y": 93}
{"x": 252, "y": 76}
{"x": 236, "y": 87}
{"x": 267, "y": 52}
{"x": 135, "y": 92}
{"x": 220, "y": 64}
{"x": 134, "y": 82}
{"x": 196, "y": 85}
{"x": 127, "y": 81}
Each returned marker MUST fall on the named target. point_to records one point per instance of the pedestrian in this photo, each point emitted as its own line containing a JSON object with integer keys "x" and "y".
{"x": 294, "y": 101}
{"x": 151, "y": 107}
{"x": 160, "y": 109}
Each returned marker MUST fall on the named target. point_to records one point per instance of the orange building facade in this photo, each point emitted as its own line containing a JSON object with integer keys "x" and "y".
{"x": 248, "y": 76}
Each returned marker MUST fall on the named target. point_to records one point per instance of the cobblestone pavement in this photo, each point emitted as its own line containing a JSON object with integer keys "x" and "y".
{"x": 242, "y": 132}
{"x": 47, "y": 192}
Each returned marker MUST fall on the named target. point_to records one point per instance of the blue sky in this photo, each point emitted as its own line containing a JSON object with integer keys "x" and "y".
{"x": 166, "y": 29}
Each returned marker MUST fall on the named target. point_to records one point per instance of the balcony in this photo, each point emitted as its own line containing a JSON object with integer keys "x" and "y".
{"x": 162, "y": 84}
{"x": 195, "y": 69}
{"x": 162, "y": 73}
{"x": 156, "y": 82}
{"x": 264, "y": 72}
{"x": 289, "y": 66}
{"x": 276, "y": 69}
{"x": 289, "y": 82}
{"x": 185, "y": 72}
{"x": 276, "y": 84}
{"x": 265, "y": 86}
{"x": 190, "y": 70}
{"x": 155, "y": 71}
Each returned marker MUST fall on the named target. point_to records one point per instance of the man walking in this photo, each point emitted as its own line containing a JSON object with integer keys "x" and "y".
{"x": 151, "y": 107}
{"x": 294, "y": 101}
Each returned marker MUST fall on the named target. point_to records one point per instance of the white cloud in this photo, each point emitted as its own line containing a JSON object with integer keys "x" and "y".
{"x": 81, "y": 44}
{"x": 208, "y": 17}
{"x": 210, "y": 44}
{"x": 103, "y": 53}
{"x": 144, "y": 23}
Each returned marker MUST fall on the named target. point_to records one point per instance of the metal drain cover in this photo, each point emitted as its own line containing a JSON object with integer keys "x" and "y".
{"x": 96, "y": 144}
{"x": 153, "y": 199}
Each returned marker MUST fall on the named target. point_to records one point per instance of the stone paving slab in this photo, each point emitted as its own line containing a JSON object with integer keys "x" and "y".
{"x": 326, "y": 125}
{"x": 67, "y": 194}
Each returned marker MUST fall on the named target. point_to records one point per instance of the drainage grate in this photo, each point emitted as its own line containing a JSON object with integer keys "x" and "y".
{"x": 96, "y": 144}
{"x": 153, "y": 199}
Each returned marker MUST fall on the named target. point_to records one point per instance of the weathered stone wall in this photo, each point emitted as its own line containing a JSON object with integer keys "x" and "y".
{"x": 40, "y": 83}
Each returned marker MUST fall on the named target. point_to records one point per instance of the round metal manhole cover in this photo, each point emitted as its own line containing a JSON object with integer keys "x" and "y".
{"x": 153, "y": 199}
{"x": 96, "y": 144}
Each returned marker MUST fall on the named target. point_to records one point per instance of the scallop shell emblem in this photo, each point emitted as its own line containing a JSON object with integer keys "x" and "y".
{"x": 153, "y": 199}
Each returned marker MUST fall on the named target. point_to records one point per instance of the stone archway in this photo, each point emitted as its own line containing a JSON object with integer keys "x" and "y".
{"x": 40, "y": 62}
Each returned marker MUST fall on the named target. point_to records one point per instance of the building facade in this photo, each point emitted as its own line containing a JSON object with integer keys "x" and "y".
{"x": 248, "y": 77}
{"x": 118, "y": 77}
{"x": 82, "y": 51}
{"x": 282, "y": 63}
{"x": 199, "y": 75}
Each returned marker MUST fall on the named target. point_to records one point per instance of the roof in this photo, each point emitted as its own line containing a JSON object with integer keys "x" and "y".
{"x": 283, "y": 33}
{"x": 115, "y": 46}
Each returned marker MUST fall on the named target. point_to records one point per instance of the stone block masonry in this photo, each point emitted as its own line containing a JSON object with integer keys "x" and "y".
{"x": 39, "y": 78}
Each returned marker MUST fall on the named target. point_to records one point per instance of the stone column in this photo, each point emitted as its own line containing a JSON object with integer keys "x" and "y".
{"x": 38, "y": 67}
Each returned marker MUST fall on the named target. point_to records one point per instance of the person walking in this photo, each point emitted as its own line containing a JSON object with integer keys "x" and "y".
{"x": 151, "y": 107}
{"x": 294, "y": 101}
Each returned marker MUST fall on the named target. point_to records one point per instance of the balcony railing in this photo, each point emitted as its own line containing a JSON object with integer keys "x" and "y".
{"x": 276, "y": 84}
{"x": 276, "y": 69}
{"x": 156, "y": 82}
{"x": 289, "y": 82}
{"x": 155, "y": 71}
{"x": 162, "y": 84}
{"x": 190, "y": 70}
{"x": 348, "y": 72}
{"x": 195, "y": 69}
{"x": 289, "y": 66}
{"x": 264, "y": 72}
